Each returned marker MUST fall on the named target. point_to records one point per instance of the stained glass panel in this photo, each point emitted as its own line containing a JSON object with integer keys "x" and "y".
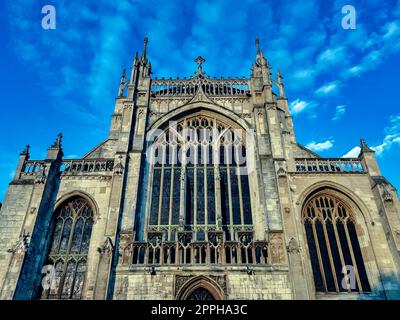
{"x": 65, "y": 235}
{"x": 190, "y": 195}
{"x": 155, "y": 197}
{"x": 176, "y": 196}
{"x": 210, "y": 196}
{"x": 224, "y": 197}
{"x": 200, "y": 195}
{"x": 79, "y": 280}
{"x": 166, "y": 196}
{"x": 244, "y": 179}
{"x": 235, "y": 197}
{"x": 68, "y": 280}
{"x": 77, "y": 236}
{"x": 57, "y": 235}
{"x": 86, "y": 236}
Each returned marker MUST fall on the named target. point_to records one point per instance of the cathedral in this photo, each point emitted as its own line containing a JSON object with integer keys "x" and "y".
{"x": 199, "y": 192}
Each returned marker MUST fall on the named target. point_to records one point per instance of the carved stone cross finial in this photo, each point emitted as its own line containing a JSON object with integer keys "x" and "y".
{"x": 200, "y": 73}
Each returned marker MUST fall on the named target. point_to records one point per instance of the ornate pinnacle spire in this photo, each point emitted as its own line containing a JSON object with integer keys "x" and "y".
{"x": 279, "y": 76}
{"x": 55, "y": 151}
{"x": 199, "y": 73}
{"x": 364, "y": 146}
{"x": 144, "y": 53}
{"x": 122, "y": 83}
{"x": 57, "y": 143}
{"x": 280, "y": 84}
{"x": 258, "y": 45}
{"x": 123, "y": 76}
{"x": 260, "y": 59}
{"x": 25, "y": 152}
{"x": 134, "y": 66}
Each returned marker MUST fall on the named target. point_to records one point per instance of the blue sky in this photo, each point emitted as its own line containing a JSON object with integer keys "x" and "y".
{"x": 342, "y": 84}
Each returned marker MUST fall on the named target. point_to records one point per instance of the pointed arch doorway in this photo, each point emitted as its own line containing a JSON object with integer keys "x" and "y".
{"x": 200, "y": 288}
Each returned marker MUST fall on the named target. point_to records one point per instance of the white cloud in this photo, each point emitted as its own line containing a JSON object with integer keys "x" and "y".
{"x": 330, "y": 58}
{"x": 392, "y": 29}
{"x": 320, "y": 146}
{"x": 353, "y": 153}
{"x": 391, "y": 138}
{"x": 340, "y": 110}
{"x": 298, "y": 106}
{"x": 328, "y": 88}
{"x": 386, "y": 144}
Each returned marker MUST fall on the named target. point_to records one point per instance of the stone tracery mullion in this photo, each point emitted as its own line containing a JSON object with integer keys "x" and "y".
{"x": 329, "y": 249}
{"x": 339, "y": 246}
{"x": 352, "y": 257}
{"x": 321, "y": 266}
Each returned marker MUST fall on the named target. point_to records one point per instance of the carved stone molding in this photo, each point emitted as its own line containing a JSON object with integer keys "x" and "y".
{"x": 119, "y": 168}
{"x": 281, "y": 172}
{"x": 107, "y": 247}
{"x": 22, "y": 244}
{"x": 181, "y": 281}
{"x": 293, "y": 246}
{"x": 276, "y": 247}
{"x": 386, "y": 195}
{"x": 86, "y": 177}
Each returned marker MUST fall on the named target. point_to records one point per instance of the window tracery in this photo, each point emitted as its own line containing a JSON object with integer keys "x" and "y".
{"x": 69, "y": 247}
{"x": 210, "y": 157}
{"x": 333, "y": 246}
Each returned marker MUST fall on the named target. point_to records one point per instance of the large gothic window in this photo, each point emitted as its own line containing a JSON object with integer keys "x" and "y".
{"x": 333, "y": 246}
{"x": 199, "y": 178}
{"x": 68, "y": 251}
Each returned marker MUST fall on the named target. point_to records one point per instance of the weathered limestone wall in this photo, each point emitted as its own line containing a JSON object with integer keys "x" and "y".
{"x": 238, "y": 285}
{"x": 144, "y": 287}
{"x": 12, "y": 216}
{"x": 266, "y": 286}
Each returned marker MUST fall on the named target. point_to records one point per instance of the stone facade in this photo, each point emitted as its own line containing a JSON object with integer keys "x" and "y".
{"x": 272, "y": 254}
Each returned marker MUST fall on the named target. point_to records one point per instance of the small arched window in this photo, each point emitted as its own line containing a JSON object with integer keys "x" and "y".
{"x": 333, "y": 246}
{"x": 67, "y": 257}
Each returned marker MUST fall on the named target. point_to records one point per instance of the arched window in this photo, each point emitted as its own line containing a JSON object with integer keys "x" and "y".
{"x": 199, "y": 177}
{"x": 200, "y": 294}
{"x": 67, "y": 257}
{"x": 333, "y": 246}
